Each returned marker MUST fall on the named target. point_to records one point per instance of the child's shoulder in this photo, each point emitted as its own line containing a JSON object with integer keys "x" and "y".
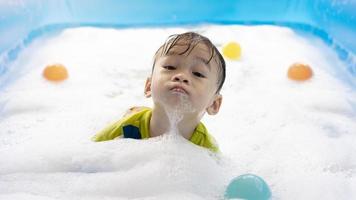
{"x": 137, "y": 117}
{"x": 202, "y": 137}
{"x": 136, "y": 109}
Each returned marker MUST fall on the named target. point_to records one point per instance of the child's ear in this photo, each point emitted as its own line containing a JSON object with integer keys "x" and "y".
{"x": 148, "y": 87}
{"x": 214, "y": 108}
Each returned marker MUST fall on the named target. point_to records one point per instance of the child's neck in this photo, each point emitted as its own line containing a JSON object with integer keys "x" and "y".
{"x": 161, "y": 123}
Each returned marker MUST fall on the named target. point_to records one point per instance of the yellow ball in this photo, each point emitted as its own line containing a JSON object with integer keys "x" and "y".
{"x": 300, "y": 72}
{"x": 56, "y": 72}
{"x": 232, "y": 50}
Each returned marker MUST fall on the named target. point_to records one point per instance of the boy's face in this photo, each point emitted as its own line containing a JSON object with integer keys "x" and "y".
{"x": 185, "y": 81}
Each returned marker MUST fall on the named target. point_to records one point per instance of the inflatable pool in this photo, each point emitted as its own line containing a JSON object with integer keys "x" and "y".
{"x": 297, "y": 135}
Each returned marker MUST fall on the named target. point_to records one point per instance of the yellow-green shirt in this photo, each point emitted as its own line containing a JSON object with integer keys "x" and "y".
{"x": 136, "y": 126}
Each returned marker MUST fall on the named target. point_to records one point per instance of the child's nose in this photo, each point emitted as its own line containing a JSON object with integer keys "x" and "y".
{"x": 180, "y": 77}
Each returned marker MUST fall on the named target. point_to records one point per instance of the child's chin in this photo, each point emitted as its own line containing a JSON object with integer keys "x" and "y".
{"x": 178, "y": 98}
{"x": 179, "y": 94}
{"x": 179, "y": 103}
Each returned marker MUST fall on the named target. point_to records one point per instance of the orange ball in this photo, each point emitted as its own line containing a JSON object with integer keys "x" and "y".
{"x": 300, "y": 72}
{"x": 55, "y": 72}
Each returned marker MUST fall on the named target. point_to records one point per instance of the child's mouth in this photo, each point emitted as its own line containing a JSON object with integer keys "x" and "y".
{"x": 180, "y": 90}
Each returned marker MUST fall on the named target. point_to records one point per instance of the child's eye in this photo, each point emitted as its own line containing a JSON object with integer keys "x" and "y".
{"x": 198, "y": 74}
{"x": 169, "y": 67}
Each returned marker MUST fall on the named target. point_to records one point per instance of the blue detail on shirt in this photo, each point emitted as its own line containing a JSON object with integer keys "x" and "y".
{"x": 131, "y": 132}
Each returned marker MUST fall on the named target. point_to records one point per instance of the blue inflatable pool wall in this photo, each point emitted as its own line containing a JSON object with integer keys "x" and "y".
{"x": 332, "y": 20}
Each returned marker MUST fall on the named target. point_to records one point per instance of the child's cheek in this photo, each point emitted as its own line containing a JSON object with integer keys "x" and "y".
{"x": 155, "y": 87}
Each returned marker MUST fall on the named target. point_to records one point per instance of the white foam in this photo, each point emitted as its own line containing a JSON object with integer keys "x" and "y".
{"x": 297, "y": 136}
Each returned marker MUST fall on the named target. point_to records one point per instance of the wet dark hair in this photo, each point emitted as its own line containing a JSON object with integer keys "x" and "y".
{"x": 191, "y": 40}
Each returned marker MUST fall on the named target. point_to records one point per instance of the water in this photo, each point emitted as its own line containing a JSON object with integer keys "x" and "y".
{"x": 299, "y": 137}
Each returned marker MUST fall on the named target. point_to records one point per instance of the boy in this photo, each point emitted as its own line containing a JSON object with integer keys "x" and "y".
{"x": 187, "y": 75}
